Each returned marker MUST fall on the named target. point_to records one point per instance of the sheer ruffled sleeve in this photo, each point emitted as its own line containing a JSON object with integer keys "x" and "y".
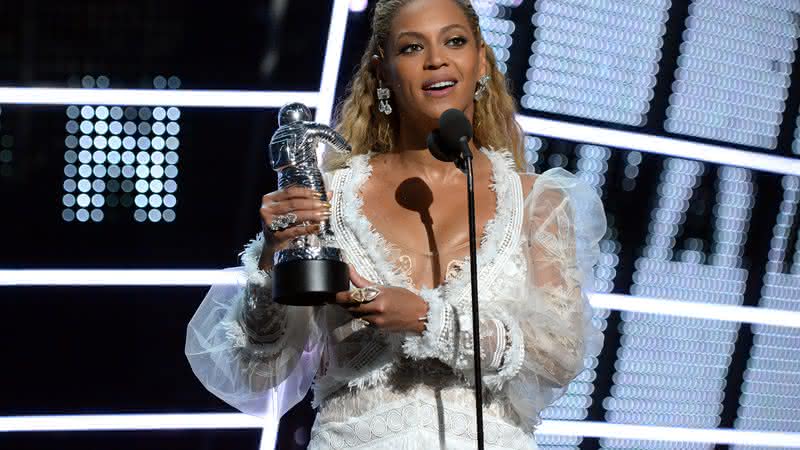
{"x": 564, "y": 222}
{"x": 537, "y": 330}
{"x": 254, "y": 354}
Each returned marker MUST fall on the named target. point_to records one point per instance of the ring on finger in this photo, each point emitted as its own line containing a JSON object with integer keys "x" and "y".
{"x": 283, "y": 221}
{"x": 364, "y": 295}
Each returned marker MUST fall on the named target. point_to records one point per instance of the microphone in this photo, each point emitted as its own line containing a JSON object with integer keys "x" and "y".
{"x": 450, "y": 142}
{"x": 455, "y": 130}
{"x": 437, "y": 150}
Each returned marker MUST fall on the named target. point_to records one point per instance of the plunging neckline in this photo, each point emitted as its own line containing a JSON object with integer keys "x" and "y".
{"x": 505, "y": 184}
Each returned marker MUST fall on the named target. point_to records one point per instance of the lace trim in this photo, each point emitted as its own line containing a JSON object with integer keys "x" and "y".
{"x": 241, "y": 341}
{"x": 374, "y": 254}
{"x": 501, "y": 234}
{"x": 348, "y": 224}
{"x": 436, "y": 340}
{"x": 393, "y": 424}
{"x": 512, "y": 358}
{"x": 360, "y": 239}
{"x": 252, "y": 253}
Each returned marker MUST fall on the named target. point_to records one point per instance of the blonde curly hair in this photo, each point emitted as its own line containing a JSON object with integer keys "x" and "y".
{"x": 357, "y": 118}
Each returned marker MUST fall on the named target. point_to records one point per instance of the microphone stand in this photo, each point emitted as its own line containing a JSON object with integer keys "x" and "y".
{"x": 465, "y": 164}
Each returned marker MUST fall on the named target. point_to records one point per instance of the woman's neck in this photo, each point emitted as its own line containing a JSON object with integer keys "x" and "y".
{"x": 411, "y": 154}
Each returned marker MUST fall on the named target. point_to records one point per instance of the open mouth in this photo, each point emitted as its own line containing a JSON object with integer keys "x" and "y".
{"x": 439, "y": 85}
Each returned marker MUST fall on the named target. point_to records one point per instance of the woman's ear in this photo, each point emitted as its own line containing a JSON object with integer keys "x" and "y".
{"x": 484, "y": 64}
{"x": 377, "y": 66}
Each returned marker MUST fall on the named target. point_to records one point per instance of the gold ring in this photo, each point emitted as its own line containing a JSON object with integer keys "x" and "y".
{"x": 364, "y": 295}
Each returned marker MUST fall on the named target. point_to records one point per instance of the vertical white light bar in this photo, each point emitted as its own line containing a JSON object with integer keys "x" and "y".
{"x": 327, "y": 95}
{"x": 333, "y": 57}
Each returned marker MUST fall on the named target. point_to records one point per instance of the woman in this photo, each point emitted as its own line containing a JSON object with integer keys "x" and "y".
{"x": 391, "y": 360}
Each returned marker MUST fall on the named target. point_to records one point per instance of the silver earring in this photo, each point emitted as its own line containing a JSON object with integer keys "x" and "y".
{"x": 383, "y": 97}
{"x": 482, "y": 82}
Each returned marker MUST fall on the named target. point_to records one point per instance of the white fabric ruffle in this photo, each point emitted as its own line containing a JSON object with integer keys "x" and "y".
{"x": 535, "y": 266}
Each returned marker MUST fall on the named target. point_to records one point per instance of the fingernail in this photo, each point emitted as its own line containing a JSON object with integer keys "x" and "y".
{"x": 326, "y": 205}
{"x": 324, "y": 214}
{"x": 316, "y": 195}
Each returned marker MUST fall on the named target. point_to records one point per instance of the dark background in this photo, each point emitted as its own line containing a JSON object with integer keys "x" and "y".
{"x": 120, "y": 350}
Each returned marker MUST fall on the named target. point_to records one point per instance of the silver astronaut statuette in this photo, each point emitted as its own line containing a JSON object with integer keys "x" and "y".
{"x": 310, "y": 270}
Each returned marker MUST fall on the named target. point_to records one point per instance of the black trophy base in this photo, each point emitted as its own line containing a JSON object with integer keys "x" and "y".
{"x": 308, "y": 282}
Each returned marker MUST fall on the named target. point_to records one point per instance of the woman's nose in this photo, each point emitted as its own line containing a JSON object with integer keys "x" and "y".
{"x": 434, "y": 58}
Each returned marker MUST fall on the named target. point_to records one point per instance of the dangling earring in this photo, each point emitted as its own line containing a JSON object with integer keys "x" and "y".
{"x": 482, "y": 82}
{"x": 383, "y": 97}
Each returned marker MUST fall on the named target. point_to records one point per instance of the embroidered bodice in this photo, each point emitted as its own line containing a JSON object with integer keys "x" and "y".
{"x": 401, "y": 390}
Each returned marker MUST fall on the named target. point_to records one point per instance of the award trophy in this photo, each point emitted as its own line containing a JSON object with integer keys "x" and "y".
{"x": 311, "y": 269}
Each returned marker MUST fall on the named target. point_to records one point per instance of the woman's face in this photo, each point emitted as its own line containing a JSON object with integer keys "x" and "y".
{"x": 432, "y": 60}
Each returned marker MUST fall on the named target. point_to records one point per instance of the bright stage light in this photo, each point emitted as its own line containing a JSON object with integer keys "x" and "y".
{"x": 660, "y": 145}
{"x": 178, "y": 277}
{"x": 358, "y": 5}
{"x": 330, "y": 66}
{"x": 230, "y": 421}
{"x": 122, "y": 277}
{"x": 151, "y": 97}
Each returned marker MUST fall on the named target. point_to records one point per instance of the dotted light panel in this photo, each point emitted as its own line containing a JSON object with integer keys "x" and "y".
{"x": 796, "y": 141}
{"x": 595, "y": 58}
{"x": 770, "y": 398}
{"x": 671, "y": 371}
{"x": 733, "y": 73}
{"x": 121, "y": 157}
{"x": 592, "y": 165}
{"x": 533, "y": 152}
{"x": 496, "y": 28}
{"x": 6, "y": 150}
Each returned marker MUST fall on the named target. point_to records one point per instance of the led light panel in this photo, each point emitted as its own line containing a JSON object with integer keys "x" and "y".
{"x": 770, "y": 397}
{"x": 595, "y": 58}
{"x": 496, "y": 27}
{"x": 733, "y": 72}
{"x": 121, "y": 157}
{"x": 6, "y": 150}
{"x": 671, "y": 371}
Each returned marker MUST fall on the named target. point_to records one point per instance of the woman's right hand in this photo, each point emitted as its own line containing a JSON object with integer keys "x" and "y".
{"x": 305, "y": 203}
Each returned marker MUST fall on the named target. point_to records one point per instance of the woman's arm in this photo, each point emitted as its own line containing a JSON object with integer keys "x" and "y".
{"x": 246, "y": 349}
{"x": 534, "y": 337}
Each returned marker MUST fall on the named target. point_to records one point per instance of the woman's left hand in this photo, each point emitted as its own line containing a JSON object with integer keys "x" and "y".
{"x": 394, "y": 308}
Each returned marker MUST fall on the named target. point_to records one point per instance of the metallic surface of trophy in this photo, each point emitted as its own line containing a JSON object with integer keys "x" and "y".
{"x": 311, "y": 269}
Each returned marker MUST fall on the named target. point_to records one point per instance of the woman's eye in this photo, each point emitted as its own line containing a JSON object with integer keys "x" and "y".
{"x": 411, "y": 48}
{"x": 457, "y": 41}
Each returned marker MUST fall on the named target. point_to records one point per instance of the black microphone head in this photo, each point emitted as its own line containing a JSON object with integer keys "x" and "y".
{"x": 453, "y": 126}
{"x": 437, "y": 150}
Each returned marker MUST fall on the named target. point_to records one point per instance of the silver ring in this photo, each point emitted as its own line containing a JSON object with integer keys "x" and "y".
{"x": 364, "y": 295}
{"x": 282, "y": 222}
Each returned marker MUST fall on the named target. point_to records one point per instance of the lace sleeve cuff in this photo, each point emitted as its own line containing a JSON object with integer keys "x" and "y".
{"x": 437, "y": 339}
{"x": 261, "y": 323}
{"x": 508, "y": 357}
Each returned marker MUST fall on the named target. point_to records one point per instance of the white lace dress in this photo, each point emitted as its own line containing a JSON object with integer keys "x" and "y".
{"x": 383, "y": 390}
